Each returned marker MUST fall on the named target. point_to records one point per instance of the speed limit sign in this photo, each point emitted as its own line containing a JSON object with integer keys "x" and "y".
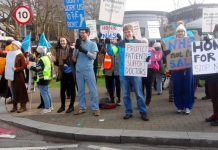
{"x": 22, "y": 14}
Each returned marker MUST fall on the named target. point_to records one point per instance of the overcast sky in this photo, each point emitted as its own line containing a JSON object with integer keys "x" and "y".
{"x": 159, "y": 5}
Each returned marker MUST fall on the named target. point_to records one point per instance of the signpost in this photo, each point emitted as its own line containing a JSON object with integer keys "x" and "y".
{"x": 75, "y": 14}
{"x": 205, "y": 57}
{"x": 135, "y": 59}
{"x": 22, "y": 15}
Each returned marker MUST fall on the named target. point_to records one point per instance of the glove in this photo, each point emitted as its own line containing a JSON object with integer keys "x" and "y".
{"x": 82, "y": 50}
{"x": 107, "y": 41}
{"x": 148, "y": 58}
{"x": 118, "y": 37}
{"x": 78, "y": 43}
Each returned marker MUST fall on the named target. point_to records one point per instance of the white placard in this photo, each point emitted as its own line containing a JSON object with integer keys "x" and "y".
{"x": 110, "y": 31}
{"x": 92, "y": 26}
{"x": 153, "y": 29}
{"x": 112, "y": 11}
{"x": 205, "y": 57}
{"x": 136, "y": 29}
{"x": 210, "y": 19}
{"x": 135, "y": 59}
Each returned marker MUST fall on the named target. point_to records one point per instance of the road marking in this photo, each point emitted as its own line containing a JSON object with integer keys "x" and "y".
{"x": 42, "y": 147}
{"x": 101, "y": 148}
{"x": 10, "y": 136}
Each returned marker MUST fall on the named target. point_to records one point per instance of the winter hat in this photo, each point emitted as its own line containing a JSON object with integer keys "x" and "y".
{"x": 41, "y": 49}
{"x": 157, "y": 44}
{"x": 181, "y": 27}
{"x": 17, "y": 43}
{"x": 144, "y": 40}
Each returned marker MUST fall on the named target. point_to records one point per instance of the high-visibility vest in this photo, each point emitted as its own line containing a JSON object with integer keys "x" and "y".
{"x": 107, "y": 61}
{"x": 47, "y": 69}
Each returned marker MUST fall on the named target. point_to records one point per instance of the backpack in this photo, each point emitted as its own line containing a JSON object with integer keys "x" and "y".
{"x": 105, "y": 104}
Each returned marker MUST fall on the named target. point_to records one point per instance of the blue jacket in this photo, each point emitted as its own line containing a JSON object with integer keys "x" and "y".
{"x": 121, "y": 51}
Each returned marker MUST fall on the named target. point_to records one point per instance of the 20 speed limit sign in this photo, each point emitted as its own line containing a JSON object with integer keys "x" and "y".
{"x": 22, "y": 14}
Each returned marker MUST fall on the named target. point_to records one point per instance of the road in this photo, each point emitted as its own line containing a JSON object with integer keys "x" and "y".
{"x": 26, "y": 140}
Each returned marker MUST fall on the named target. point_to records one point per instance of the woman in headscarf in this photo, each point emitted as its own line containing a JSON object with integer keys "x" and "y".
{"x": 14, "y": 73}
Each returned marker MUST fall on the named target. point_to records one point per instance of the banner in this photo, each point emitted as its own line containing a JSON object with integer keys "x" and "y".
{"x": 136, "y": 29}
{"x": 26, "y": 44}
{"x": 205, "y": 57}
{"x": 75, "y": 14}
{"x": 135, "y": 59}
{"x": 209, "y": 19}
{"x": 109, "y": 31}
{"x": 92, "y": 26}
{"x": 153, "y": 29}
{"x": 180, "y": 55}
{"x": 112, "y": 11}
{"x": 43, "y": 41}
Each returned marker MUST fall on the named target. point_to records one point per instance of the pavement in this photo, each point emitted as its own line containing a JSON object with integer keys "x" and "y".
{"x": 165, "y": 127}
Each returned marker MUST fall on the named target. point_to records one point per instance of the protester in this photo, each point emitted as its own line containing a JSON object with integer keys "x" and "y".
{"x": 5, "y": 91}
{"x": 85, "y": 54}
{"x": 126, "y": 81}
{"x": 213, "y": 90}
{"x": 183, "y": 82}
{"x": 66, "y": 73}
{"x": 43, "y": 76}
{"x": 14, "y": 73}
{"x": 159, "y": 71}
{"x": 111, "y": 71}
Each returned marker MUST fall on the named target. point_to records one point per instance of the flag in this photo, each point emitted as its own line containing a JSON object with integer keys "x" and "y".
{"x": 26, "y": 43}
{"x": 43, "y": 41}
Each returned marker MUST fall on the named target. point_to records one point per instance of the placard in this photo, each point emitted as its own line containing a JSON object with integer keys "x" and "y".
{"x": 109, "y": 31}
{"x": 75, "y": 14}
{"x": 205, "y": 57}
{"x": 136, "y": 29}
{"x": 210, "y": 19}
{"x": 92, "y": 26}
{"x": 135, "y": 59}
{"x": 112, "y": 11}
{"x": 153, "y": 29}
{"x": 180, "y": 55}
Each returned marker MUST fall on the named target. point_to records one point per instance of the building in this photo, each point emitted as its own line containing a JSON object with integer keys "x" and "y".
{"x": 143, "y": 16}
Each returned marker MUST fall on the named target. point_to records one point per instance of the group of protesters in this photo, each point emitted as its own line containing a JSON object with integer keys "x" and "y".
{"x": 75, "y": 70}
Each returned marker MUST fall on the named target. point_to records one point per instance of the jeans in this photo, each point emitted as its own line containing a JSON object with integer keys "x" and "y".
{"x": 87, "y": 76}
{"x": 46, "y": 95}
{"x": 136, "y": 82}
{"x": 159, "y": 82}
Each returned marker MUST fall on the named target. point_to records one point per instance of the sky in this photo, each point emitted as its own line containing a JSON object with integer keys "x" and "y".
{"x": 160, "y": 5}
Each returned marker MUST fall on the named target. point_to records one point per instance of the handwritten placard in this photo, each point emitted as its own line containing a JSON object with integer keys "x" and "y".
{"x": 205, "y": 57}
{"x": 135, "y": 59}
{"x": 180, "y": 55}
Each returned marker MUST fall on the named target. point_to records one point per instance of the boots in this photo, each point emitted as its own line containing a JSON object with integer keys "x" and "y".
{"x": 14, "y": 109}
{"x": 22, "y": 108}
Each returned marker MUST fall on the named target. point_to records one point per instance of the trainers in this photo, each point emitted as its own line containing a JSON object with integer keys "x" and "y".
{"x": 210, "y": 119}
{"x": 80, "y": 111}
{"x": 44, "y": 111}
{"x": 96, "y": 113}
{"x": 127, "y": 116}
{"x": 144, "y": 116}
{"x": 118, "y": 103}
{"x": 214, "y": 123}
{"x": 51, "y": 108}
{"x": 179, "y": 111}
{"x": 187, "y": 111}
